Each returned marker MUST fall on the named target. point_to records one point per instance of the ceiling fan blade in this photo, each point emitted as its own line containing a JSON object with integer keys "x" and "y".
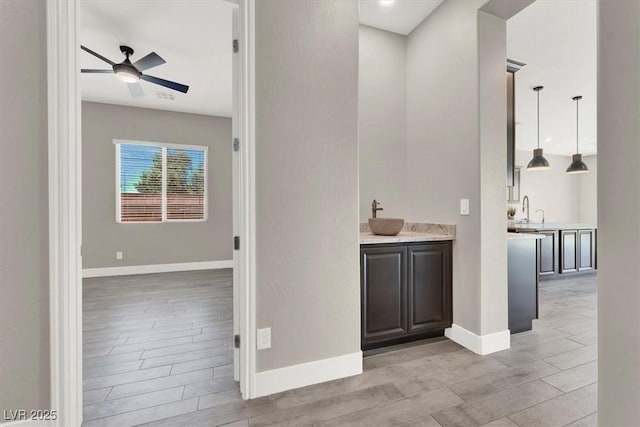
{"x": 97, "y": 55}
{"x": 149, "y": 61}
{"x": 89, "y": 70}
{"x": 135, "y": 89}
{"x": 166, "y": 83}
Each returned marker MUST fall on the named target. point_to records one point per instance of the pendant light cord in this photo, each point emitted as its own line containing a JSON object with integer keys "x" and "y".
{"x": 538, "y": 92}
{"x": 577, "y": 127}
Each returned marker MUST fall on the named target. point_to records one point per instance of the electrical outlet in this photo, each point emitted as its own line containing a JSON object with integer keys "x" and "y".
{"x": 119, "y": 255}
{"x": 263, "y": 338}
{"x": 464, "y": 206}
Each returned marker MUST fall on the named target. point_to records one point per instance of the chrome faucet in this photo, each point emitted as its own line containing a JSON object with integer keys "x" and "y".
{"x": 525, "y": 200}
{"x": 541, "y": 210}
{"x": 375, "y": 208}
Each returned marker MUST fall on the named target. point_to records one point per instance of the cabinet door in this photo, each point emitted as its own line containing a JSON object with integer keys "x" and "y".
{"x": 568, "y": 251}
{"x": 548, "y": 250}
{"x": 429, "y": 287}
{"x": 383, "y": 277}
{"x": 587, "y": 240}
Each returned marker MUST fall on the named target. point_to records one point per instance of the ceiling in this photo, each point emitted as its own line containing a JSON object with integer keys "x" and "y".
{"x": 397, "y": 16}
{"x": 193, "y": 36}
{"x": 557, "y": 41}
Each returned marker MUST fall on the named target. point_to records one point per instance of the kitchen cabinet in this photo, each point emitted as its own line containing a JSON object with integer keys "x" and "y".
{"x": 406, "y": 291}
{"x": 569, "y": 251}
{"x": 547, "y": 253}
{"x": 587, "y": 254}
{"x": 566, "y": 248}
{"x": 578, "y": 250}
{"x": 522, "y": 277}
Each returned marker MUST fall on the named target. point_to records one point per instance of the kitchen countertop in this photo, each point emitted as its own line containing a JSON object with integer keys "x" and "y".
{"x": 536, "y": 226}
{"x": 522, "y": 236}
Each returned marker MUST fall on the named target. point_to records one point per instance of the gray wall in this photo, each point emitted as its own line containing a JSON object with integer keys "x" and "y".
{"x": 618, "y": 207}
{"x": 308, "y": 280}
{"x": 443, "y": 141}
{"x": 24, "y": 258}
{"x": 382, "y": 121}
{"x": 492, "y": 53}
{"x": 144, "y": 244}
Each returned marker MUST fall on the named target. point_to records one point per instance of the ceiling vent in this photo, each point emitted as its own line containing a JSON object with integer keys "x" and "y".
{"x": 165, "y": 95}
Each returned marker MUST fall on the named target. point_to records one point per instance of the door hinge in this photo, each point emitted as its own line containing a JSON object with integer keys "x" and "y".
{"x": 236, "y": 341}
{"x": 236, "y": 46}
{"x": 236, "y": 144}
{"x": 236, "y": 242}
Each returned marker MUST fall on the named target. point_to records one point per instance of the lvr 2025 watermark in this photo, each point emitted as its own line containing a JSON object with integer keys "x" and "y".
{"x": 26, "y": 415}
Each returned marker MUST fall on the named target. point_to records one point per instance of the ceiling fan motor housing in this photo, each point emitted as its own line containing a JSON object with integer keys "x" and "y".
{"x": 127, "y": 69}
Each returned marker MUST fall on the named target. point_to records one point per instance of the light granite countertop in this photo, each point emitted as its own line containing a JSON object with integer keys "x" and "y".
{"x": 536, "y": 226}
{"x": 411, "y": 232}
{"x": 404, "y": 236}
{"x": 522, "y": 236}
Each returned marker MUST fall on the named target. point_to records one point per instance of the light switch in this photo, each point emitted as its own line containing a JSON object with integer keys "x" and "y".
{"x": 263, "y": 338}
{"x": 464, "y": 206}
{"x": 118, "y": 255}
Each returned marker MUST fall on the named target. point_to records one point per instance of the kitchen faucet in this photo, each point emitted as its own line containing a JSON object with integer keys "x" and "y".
{"x": 541, "y": 210}
{"x": 525, "y": 200}
{"x": 375, "y": 208}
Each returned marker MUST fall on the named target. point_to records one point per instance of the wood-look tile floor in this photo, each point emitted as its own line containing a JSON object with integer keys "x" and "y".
{"x": 158, "y": 354}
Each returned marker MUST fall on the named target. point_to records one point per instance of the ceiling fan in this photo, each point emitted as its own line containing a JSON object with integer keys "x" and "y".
{"x": 131, "y": 73}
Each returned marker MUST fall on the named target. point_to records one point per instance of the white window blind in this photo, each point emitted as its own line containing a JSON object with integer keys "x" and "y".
{"x": 160, "y": 182}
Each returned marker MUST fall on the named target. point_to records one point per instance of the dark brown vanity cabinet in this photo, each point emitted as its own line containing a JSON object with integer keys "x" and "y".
{"x": 405, "y": 291}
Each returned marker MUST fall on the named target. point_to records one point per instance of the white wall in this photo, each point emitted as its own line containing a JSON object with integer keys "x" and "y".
{"x": 551, "y": 190}
{"x": 588, "y": 192}
{"x": 564, "y": 198}
{"x": 618, "y": 207}
{"x": 24, "y": 243}
{"x": 382, "y": 121}
{"x": 308, "y": 275}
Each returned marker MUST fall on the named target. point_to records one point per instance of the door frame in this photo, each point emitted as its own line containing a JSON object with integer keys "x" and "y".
{"x": 65, "y": 204}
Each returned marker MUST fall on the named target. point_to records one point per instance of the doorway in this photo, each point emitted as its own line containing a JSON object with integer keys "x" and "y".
{"x": 65, "y": 204}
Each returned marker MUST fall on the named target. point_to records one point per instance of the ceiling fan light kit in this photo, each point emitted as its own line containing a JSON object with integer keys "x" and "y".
{"x": 577, "y": 165}
{"x": 131, "y": 73}
{"x": 538, "y": 162}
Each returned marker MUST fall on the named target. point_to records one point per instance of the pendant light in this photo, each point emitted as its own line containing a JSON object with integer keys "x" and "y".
{"x": 538, "y": 162}
{"x": 577, "y": 165}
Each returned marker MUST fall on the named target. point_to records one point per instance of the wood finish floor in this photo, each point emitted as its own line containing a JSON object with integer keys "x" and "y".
{"x": 158, "y": 353}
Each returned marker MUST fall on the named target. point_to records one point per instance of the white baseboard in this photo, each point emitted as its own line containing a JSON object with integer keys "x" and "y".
{"x": 27, "y": 423}
{"x": 155, "y": 268}
{"x": 304, "y": 374}
{"x": 479, "y": 344}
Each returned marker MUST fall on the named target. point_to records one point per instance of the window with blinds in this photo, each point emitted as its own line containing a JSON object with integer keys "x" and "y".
{"x": 160, "y": 182}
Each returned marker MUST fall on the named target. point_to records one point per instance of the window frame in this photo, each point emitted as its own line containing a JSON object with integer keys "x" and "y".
{"x": 165, "y": 146}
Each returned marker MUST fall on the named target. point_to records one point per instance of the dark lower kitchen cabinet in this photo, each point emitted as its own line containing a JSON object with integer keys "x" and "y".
{"x": 569, "y": 251}
{"x": 406, "y": 291}
{"x": 587, "y": 254}
{"x": 578, "y": 250}
{"x": 548, "y": 253}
